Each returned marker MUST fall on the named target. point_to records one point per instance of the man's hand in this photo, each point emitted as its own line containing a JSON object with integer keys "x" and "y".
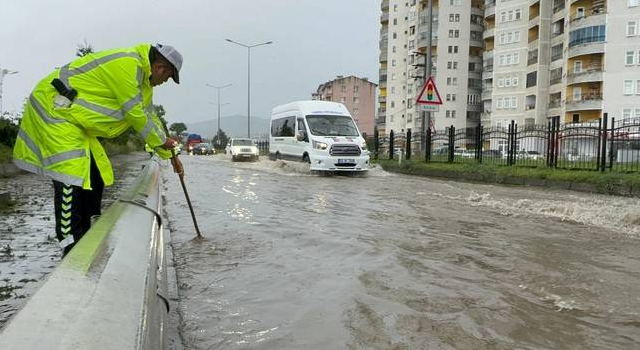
{"x": 177, "y": 165}
{"x": 170, "y": 143}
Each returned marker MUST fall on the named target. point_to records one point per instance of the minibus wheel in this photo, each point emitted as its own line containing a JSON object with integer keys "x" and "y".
{"x": 305, "y": 159}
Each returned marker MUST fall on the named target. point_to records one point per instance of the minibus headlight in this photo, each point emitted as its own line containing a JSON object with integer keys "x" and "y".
{"x": 319, "y": 145}
{"x": 363, "y": 146}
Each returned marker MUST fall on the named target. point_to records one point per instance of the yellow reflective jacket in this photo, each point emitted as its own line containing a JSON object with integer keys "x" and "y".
{"x": 114, "y": 93}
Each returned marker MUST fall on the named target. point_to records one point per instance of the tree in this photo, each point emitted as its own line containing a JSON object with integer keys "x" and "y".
{"x": 178, "y": 128}
{"x": 220, "y": 140}
{"x": 84, "y": 49}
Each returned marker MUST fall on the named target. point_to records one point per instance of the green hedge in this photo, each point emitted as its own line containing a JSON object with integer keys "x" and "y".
{"x": 606, "y": 182}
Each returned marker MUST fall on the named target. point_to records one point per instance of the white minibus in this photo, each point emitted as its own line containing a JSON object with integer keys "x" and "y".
{"x": 320, "y": 133}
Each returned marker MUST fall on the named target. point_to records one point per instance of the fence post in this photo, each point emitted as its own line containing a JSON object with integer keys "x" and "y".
{"x": 509, "y": 143}
{"x": 515, "y": 143}
{"x": 480, "y": 142}
{"x": 549, "y": 142}
{"x": 556, "y": 141}
{"x": 427, "y": 155}
{"x": 376, "y": 145}
{"x": 408, "y": 147}
{"x": 613, "y": 124}
{"x": 603, "y": 153}
{"x": 452, "y": 135}
{"x": 391, "y": 144}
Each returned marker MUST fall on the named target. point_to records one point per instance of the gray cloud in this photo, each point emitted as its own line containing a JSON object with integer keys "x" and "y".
{"x": 313, "y": 42}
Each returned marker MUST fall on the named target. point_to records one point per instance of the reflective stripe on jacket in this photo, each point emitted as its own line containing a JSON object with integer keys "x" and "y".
{"x": 114, "y": 93}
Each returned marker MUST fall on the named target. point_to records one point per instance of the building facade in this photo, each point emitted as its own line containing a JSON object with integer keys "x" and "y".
{"x": 501, "y": 60}
{"x": 456, "y": 60}
{"x": 357, "y": 94}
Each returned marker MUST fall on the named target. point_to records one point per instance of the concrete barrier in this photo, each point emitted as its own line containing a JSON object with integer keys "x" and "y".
{"x": 110, "y": 291}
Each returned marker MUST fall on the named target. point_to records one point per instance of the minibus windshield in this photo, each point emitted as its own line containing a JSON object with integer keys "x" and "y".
{"x": 331, "y": 125}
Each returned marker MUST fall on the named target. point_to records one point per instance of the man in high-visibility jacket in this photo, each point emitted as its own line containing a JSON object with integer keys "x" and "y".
{"x": 98, "y": 95}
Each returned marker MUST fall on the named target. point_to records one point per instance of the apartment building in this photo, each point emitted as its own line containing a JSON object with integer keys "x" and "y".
{"x": 573, "y": 59}
{"x": 357, "y": 94}
{"x": 456, "y": 48}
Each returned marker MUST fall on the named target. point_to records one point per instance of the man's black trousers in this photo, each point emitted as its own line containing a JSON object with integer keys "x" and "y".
{"x": 74, "y": 208}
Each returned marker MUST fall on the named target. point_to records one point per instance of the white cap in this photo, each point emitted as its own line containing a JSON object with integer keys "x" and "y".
{"x": 174, "y": 57}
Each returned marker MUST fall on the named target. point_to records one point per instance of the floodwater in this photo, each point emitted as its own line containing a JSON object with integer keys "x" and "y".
{"x": 29, "y": 250}
{"x": 292, "y": 260}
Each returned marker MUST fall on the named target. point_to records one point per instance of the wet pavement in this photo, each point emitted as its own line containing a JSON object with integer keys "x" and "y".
{"x": 292, "y": 260}
{"x": 29, "y": 250}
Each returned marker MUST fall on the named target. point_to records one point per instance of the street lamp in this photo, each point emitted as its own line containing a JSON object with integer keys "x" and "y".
{"x": 249, "y": 79}
{"x": 219, "y": 88}
{"x": 4, "y": 72}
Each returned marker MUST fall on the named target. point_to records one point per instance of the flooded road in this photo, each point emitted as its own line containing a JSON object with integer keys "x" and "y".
{"x": 29, "y": 250}
{"x": 299, "y": 261}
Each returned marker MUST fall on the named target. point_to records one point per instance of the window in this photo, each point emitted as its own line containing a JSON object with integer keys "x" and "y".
{"x": 455, "y": 65}
{"x": 394, "y": 36}
{"x": 356, "y": 100}
{"x": 503, "y": 17}
{"x": 587, "y": 35}
{"x": 575, "y": 118}
{"x": 556, "y": 52}
{"x": 451, "y": 17}
{"x": 626, "y": 114}
{"x": 629, "y": 58}
{"x": 393, "y": 63}
{"x": 628, "y": 87}
{"x": 283, "y": 127}
{"x": 393, "y": 48}
{"x": 456, "y": 34}
{"x": 517, "y": 14}
{"x": 500, "y": 103}
{"x": 516, "y": 37}
{"x": 503, "y": 38}
{"x": 455, "y": 49}
{"x": 631, "y": 28}
{"x": 507, "y": 82}
{"x": 449, "y": 65}
{"x": 450, "y": 49}
{"x": 343, "y": 99}
{"x": 448, "y": 97}
{"x": 632, "y": 3}
{"x": 393, "y": 90}
{"x": 451, "y": 33}
{"x": 457, "y": 18}
{"x": 514, "y": 102}
{"x": 514, "y": 81}
{"x": 577, "y": 66}
{"x": 343, "y": 88}
{"x": 638, "y": 87}
{"x": 637, "y": 112}
{"x": 510, "y": 16}
{"x": 395, "y": 21}
{"x": 500, "y": 82}
{"x": 356, "y": 88}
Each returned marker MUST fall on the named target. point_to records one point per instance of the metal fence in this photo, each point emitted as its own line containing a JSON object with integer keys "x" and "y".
{"x": 596, "y": 145}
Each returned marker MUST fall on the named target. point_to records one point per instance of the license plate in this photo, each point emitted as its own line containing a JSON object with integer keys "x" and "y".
{"x": 346, "y": 161}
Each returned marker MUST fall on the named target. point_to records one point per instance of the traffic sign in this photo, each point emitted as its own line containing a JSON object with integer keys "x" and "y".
{"x": 429, "y": 94}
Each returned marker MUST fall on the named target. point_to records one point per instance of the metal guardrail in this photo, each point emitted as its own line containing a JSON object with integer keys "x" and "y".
{"x": 110, "y": 291}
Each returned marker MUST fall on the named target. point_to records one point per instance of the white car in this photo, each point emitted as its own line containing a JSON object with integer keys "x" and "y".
{"x": 242, "y": 149}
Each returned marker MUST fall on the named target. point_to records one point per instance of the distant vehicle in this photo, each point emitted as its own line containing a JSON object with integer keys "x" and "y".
{"x": 468, "y": 153}
{"x": 320, "y": 133}
{"x": 532, "y": 155}
{"x": 240, "y": 149}
{"x": 192, "y": 140}
{"x": 492, "y": 153}
{"x": 203, "y": 149}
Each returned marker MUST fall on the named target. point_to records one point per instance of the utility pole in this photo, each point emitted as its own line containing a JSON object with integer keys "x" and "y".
{"x": 426, "y": 116}
{"x": 219, "y": 88}
{"x": 4, "y": 72}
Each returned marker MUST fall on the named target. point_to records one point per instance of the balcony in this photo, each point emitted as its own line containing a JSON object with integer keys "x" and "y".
{"x": 424, "y": 38}
{"x": 581, "y": 20}
{"x": 384, "y": 18}
{"x": 385, "y": 5}
{"x": 555, "y": 104}
{"x": 383, "y": 57}
{"x": 584, "y": 102}
{"x": 382, "y": 99}
{"x": 489, "y": 9}
{"x": 486, "y": 94}
{"x": 587, "y": 48}
{"x": 591, "y": 74}
{"x": 489, "y": 33}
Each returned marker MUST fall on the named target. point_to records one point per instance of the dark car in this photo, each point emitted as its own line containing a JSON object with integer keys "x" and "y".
{"x": 203, "y": 149}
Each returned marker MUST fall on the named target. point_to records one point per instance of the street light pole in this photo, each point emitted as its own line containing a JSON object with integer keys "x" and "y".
{"x": 219, "y": 88}
{"x": 249, "y": 47}
{"x": 4, "y": 72}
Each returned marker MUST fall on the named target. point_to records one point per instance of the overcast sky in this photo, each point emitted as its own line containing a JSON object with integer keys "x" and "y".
{"x": 313, "y": 42}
